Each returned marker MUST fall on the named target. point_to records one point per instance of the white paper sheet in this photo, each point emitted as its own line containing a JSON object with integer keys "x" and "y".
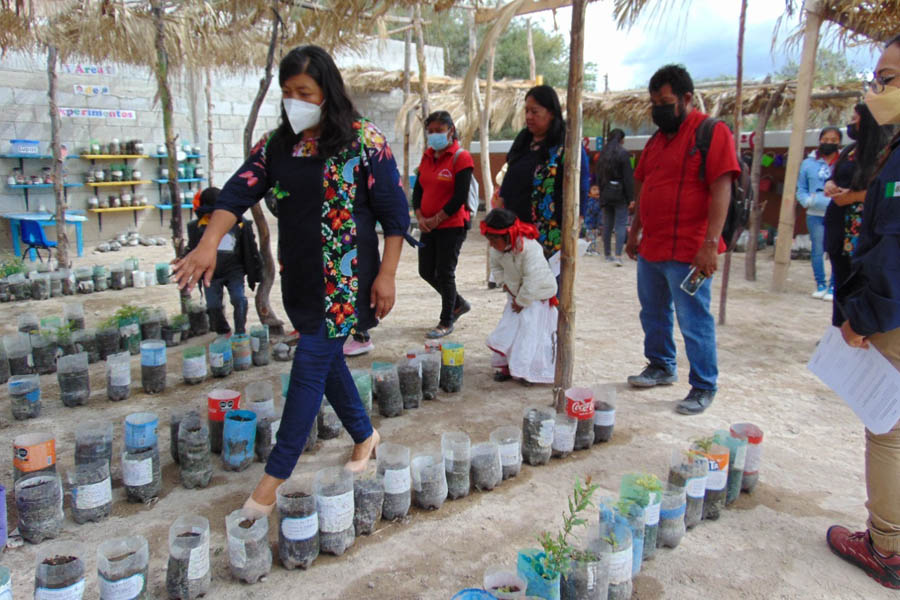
{"x": 864, "y": 379}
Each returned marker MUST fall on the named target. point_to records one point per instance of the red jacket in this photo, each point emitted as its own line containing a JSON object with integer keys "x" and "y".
{"x": 437, "y": 177}
{"x": 674, "y": 203}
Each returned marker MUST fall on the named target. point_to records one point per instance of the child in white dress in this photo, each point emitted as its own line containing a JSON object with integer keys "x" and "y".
{"x": 524, "y": 341}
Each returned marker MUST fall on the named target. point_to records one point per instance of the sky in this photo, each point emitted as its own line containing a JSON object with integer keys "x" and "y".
{"x": 703, "y": 38}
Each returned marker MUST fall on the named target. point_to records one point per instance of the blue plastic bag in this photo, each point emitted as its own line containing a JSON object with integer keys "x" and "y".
{"x": 528, "y": 566}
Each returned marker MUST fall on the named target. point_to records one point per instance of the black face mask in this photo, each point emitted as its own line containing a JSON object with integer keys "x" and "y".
{"x": 827, "y": 149}
{"x": 665, "y": 118}
{"x": 852, "y": 131}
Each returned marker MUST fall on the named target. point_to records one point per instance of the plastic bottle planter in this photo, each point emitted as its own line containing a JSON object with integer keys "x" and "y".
{"x": 25, "y": 396}
{"x": 333, "y": 488}
{"x": 537, "y": 435}
{"x": 452, "y": 355}
{"x": 43, "y": 354}
{"x": 456, "y": 448}
{"x": 108, "y": 342}
{"x": 74, "y": 379}
{"x": 393, "y": 466}
{"x": 194, "y": 455}
{"x": 249, "y": 555}
{"x": 580, "y": 406}
{"x": 431, "y": 374}
{"x": 175, "y": 419}
{"x": 563, "y": 435}
{"x": 689, "y": 471}
{"x": 259, "y": 345}
{"x": 615, "y": 529}
{"x": 498, "y": 578}
{"x": 509, "y": 439}
{"x": 586, "y": 578}
{"x": 69, "y": 284}
{"x": 138, "y": 279}
{"x": 298, "y": 525}
{"x": 18, "y": 287}
{"x": 117, "y": 277}
{"x": 487, "y": 470}
{"x": 188, "y": 574}
{"x": 91, "y": 491}
{"x": 241, "y": 351}
{"x": 635, "y": 516}
{"x": 429, "y": 481}
{"x": 387, "y": 389}
{"x": 101, "y": 278}
{"x": 219, "y": 402}
{"x": 151, "y": 326}
{"x": 671, "y": 517}
{"x": 329, "y": 424}
{"x": 716, "y": 481}
{"x": 140, "y": 430}
{"x": 39, "y": 501}
{"x": 18, "y": 353}
{"x": 40, "y": 287}
{"x": 56, "y": 284}
{"x": 85, "y": 340}
{"x": 221, "y": 362}
{"x": 4, "y": 365}
{"x": 198, "y": 318}
{"x": 130, "y": 334}
{"x": 363, "y": 381}
{"x": 281, "y": 352}
{"x": 737, "y": 457}
{"x": 59, "y": 573}
{"x": 171, "y": 335}
{"x": 193, "y": 365}
{"x": 153, "y": 366}
{"x": 163, "y": 273}
{"x": 368, "y": 501}
{"x": 604, "y": 415}
{"x": 409, "y": 372}
{"x": 636, "y": 488}
{"x": 118, "y": 376}
{"x": 536, "y": 584}
{"x": 141, "y": 474}
{"x": 754, "y": 437}
{"x": 33, "y": 453}
{"x": 122, "y": 568}
{"x": 259, "y": 397}
{"x": 93, "y": 442}
{"x": 5, "y": 584}
{"x": 239, "y": 441}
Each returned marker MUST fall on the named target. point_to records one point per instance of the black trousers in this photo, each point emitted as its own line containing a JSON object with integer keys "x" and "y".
{"x": 437, "y": 266}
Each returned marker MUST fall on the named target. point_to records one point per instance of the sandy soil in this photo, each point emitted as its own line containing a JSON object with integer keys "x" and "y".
{"x": 770, "y": 545}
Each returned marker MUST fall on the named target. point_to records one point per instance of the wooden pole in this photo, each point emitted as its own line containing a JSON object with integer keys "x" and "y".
{"x": 532, "y": 65}
{"x": 738, "y": 122}
{"x": 786, "y": 217}
{"x": 207, "y": 89}
{"x": 565, "y": 345}
{"x": 487, "y": 185}
{"x": 423, "y": 71}
{"x": 757, "y": 206}
{"x": 62, "y": 235}
{"x": 407, "y": 122}
{"x": 263, "y": 305}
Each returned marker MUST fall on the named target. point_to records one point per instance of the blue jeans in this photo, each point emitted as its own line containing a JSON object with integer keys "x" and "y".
{"x": 319, "y": 368}
{"x": 816, "y": 226}
{"x": 214, "y": 300}
{"x": 615, "y": 217}
{"x": 659, "y": 291}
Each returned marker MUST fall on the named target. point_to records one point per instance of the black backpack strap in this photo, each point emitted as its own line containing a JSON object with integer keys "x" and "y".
{"x": 703, "y": 140}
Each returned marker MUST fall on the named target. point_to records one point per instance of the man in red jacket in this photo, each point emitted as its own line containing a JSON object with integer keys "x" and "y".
{"x": 681, "y": 209}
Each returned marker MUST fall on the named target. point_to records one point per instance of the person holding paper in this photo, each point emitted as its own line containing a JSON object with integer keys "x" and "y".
{"x": 870, "y": 301}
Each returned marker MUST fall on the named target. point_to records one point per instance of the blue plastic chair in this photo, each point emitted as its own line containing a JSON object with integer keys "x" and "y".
{"x": 34, "y": 239}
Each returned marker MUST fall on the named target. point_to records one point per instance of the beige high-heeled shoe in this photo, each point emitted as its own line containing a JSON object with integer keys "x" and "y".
{"x": 362, "y": 452}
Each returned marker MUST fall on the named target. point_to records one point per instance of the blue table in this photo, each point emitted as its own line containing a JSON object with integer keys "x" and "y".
{"x": 44, "y": 220}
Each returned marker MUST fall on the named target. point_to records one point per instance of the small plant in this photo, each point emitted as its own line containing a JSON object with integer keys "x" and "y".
{"x": 624, "y": 506}
{"x": 612, "y": 541}
{"x": 110, "y": 323}
{"x": 558, "y": 550}
{"x": 64, "y": 333}
{"x": 704, "y": 444}
{"x": 649, "y": 482}
{"x": 129, "y": 311}
{"x": 178, "y": 321}
{"x": 11, "y": 265}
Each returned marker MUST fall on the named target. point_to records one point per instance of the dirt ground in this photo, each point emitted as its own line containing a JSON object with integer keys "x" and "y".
{"x": 769, "y": 545}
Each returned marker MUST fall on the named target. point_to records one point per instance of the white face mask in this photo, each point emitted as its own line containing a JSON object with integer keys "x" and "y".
{"x": 302, "y": 115}
{"x": 885, "y": 107}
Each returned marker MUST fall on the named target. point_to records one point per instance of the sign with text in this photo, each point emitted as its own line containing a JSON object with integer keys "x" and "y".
{"x": 97, "y": 113}
{"x": 90, "y": 90}
{"x": 87, "y": 69}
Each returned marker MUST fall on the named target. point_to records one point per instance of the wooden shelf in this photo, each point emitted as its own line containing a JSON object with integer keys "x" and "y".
{"x": 112, "y": 156}
{"x": 121, "y": 209}
{"x": 118, "y": 183}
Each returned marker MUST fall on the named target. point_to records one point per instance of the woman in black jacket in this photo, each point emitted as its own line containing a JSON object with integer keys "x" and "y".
{"x": 614, "y": 176}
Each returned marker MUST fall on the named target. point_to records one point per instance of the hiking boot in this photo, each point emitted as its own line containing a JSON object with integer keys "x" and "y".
{"x": 354, "y": 347}
{"x": 651, "y": 376}
{"x": 695, "y": 402}
{"x": 857, "y": 549}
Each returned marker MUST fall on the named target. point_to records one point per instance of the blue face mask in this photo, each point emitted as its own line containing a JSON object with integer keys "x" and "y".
{"x": 438, "y": 141}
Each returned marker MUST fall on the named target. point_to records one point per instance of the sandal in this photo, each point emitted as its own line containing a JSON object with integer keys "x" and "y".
{"x": 500, "y": 376}
{"x": 439, "y": 331}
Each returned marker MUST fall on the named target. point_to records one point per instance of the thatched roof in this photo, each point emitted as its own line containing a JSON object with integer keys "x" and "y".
{"x": 860, "y": 20}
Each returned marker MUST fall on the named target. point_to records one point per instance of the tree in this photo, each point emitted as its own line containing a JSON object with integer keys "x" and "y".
{"x": 591, "y": 76}
{"x": 831, "y": 68}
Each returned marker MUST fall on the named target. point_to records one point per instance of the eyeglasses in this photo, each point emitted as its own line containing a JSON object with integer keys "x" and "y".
{"x": 878, "y": 84}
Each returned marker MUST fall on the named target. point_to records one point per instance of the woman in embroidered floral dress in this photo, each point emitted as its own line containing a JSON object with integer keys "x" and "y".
{"x": 333, "y": 176}
{"x": 533, "y": 186}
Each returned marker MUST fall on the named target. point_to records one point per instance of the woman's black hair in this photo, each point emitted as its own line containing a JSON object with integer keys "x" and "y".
{"x": 208, "y": 198}
{"x": 556, "y": 134}
{"x": 444, "y": 118}
{"x": 871, "y": 139}
{"x": 894, "y": 40}
{"x": 612, "y": 147}
{"x": 500, "y": 218}
{"x": 831, "y": 128}
{"x": 338, "y": 112}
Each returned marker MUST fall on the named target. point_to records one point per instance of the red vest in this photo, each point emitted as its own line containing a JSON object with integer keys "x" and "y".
{"x": 437, "y": 177}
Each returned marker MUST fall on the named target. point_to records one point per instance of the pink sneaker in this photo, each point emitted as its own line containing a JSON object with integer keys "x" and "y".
{"x": 352, "y": 347}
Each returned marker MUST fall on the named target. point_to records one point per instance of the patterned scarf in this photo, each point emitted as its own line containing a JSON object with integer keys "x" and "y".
{"x": 543, "y": 206}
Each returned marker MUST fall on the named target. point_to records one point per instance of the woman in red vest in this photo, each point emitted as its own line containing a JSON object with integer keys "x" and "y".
{"x": 439, "y": 199}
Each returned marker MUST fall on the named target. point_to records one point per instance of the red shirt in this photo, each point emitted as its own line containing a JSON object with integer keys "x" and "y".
{"x": 437, "y": 176}
{"x": 674, "y": 200}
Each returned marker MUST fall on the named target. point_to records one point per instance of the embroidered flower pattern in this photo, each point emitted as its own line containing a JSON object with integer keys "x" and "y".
{"x": 543, "y": 206}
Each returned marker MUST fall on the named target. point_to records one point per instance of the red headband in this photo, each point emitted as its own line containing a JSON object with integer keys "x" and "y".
{"x": 515, "y": 231}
